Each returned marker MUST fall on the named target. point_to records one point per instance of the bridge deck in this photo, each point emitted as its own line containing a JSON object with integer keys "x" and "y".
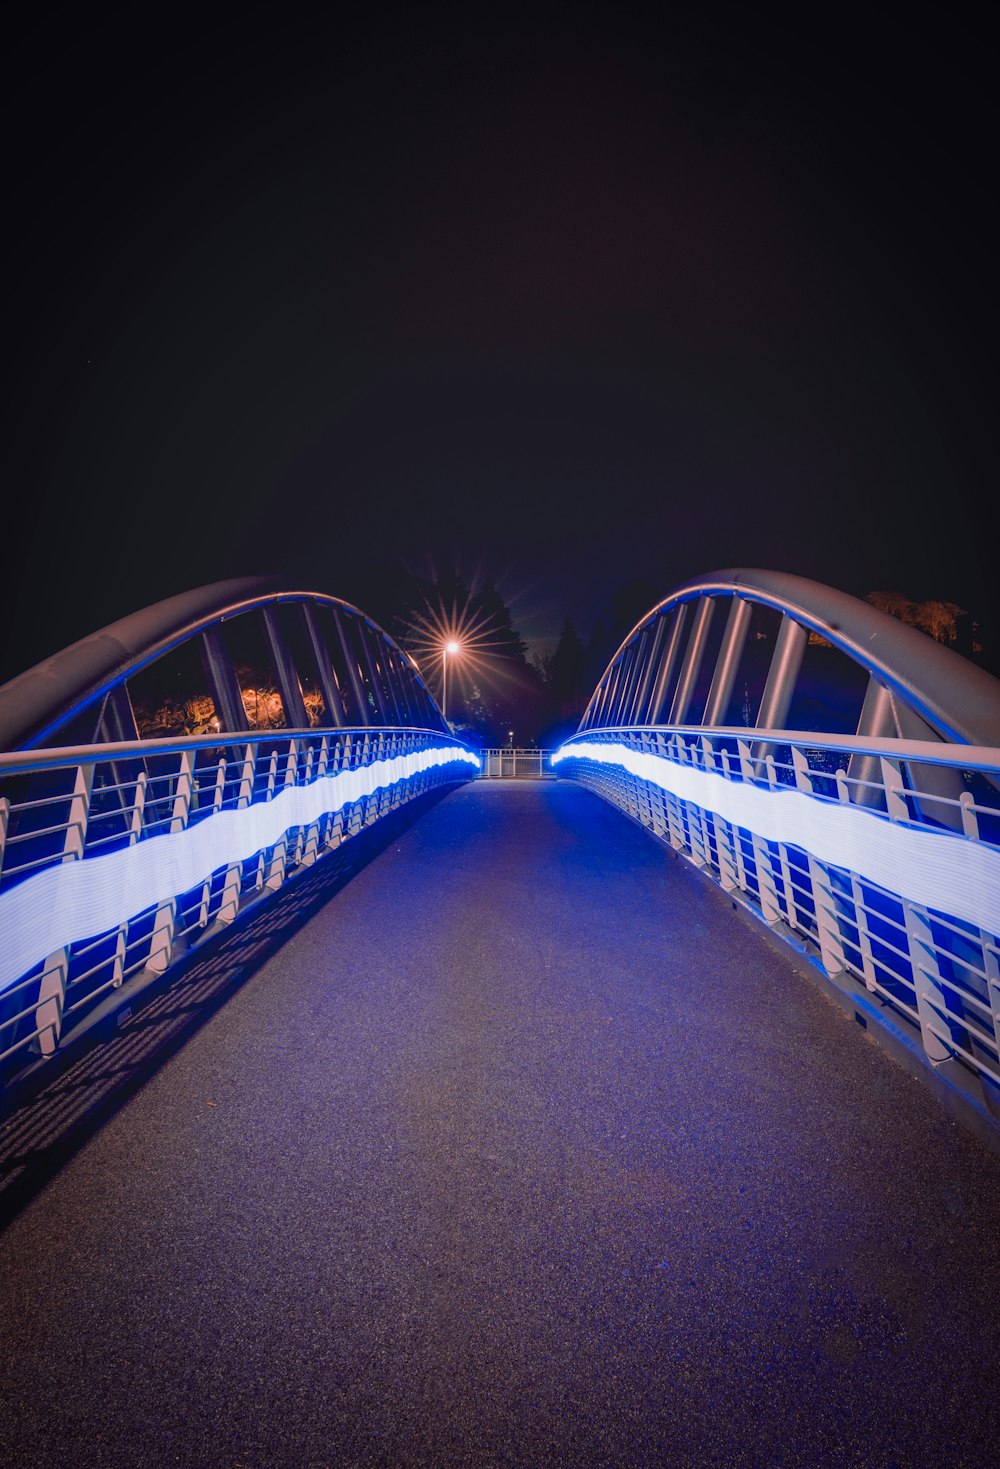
{"x": 524, "y": 1149}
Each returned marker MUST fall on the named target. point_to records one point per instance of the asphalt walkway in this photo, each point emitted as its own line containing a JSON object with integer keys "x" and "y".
{"x": 524, "y": 1149}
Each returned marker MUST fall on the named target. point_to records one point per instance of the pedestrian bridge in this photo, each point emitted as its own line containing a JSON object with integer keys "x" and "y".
{"x": 360, "y": 1111}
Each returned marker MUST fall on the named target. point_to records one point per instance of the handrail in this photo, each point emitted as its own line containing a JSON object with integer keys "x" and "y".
{"x": 970, "y": 757}
{"x": 14, "y": 761}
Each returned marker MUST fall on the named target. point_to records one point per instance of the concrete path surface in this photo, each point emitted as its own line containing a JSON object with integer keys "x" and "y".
{"x": 524, "y": 1149}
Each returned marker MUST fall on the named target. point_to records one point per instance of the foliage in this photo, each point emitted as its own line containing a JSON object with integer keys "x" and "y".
{"x": 936, "y": 618}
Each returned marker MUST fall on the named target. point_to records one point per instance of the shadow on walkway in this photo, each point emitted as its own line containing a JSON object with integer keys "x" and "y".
{"x": 43, "y": 1125}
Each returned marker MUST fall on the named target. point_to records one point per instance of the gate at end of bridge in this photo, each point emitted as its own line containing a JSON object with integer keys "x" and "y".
{"x": 520, "y": 764}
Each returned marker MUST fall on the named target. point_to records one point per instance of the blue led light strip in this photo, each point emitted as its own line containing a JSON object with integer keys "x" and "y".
{"x": 72, "y": 901}
{"x": 936, "y": 869}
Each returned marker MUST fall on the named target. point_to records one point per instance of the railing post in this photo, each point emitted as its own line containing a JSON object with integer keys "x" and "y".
{"x": 341, "y": 761}
{"x": 359, "y": 758}
{"x": 767, "y": 891}
{"x": 931, "y": 1005}
{"x": 279, "y": 857}
{"x": 858, "y": 899}
{"x": 723, "y": 836}
{"x": 302, "y": 832}
{"x": 831, "y": 949}
{"x": 892, "y": 781}
{"x": 786, "y": 872}
{"x": 311, "y": 851}
{"x": 736, "y": 847}
{"x": 52, "y": 985}
{"x": 675, "y": 818}
{"x": 697, "y": 819}
{"x": 232, "y": 883}
{"x": 161, "y": 941}
{"x": 218, "y": 795}
{"x": 991, "y": 954}
{"x": 4, "y": 823}
{"x": 135, "y": 828}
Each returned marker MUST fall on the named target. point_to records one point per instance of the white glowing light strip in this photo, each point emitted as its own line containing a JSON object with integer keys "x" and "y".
{"x": 71, "y": 901}
{"x": 936, "y": 869}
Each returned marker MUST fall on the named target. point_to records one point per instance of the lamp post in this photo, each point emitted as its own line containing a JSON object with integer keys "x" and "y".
{"x": 451, "y": 647}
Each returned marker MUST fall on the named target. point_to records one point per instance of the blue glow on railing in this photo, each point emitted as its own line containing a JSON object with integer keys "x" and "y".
{"x": 939, "y": 870}
{"x": 72, "y": 901}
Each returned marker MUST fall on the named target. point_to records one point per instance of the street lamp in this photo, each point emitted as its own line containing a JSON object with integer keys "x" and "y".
{"x": 451, "y": 647}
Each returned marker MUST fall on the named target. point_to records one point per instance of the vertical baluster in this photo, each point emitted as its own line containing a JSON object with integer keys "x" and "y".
{"x": 340, "y": 761}
{"x": 4, "y": 823}
{"x": 52, "y": 986}
{"x": 218, "y": 795}
{"x": 301, "y": 832}
{"x": 791, "y": 917}
{"x": 161, "y": 942}
{"x": 931, "y": 1004}
{"x": 736, "y": 842}
{"x": 313, "y": 835}
{"x": 723, "y": 833}
{"x": 991, "y": 953}
{"x": 697, "y": 817}
{"x": 767, "y": 891}
{"x": 232, "y": 883}
{"x": 858, "y": 899}
{"x": 279, "y": 857}
{"x": 135, "y": 828}
{"x": 831, "y": 948}
{"x": 672, "y": 750}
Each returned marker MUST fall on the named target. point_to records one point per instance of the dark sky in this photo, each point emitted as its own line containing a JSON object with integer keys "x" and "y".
{"x": 572, "y": 300}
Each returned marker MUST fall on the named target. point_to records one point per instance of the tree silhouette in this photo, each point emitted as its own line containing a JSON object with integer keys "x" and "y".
{"x": 567, "y": 671}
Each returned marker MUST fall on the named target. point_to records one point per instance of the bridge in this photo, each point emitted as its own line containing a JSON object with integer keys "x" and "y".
{"x": 359, "y": 1110}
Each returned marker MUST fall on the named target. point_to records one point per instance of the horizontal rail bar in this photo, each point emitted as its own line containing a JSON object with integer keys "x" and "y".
{"x": 11, "y": 762}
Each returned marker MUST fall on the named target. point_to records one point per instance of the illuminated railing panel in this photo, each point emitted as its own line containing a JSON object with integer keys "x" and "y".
{"x": 905, "y": 902}
{"x": 116, "y": 858}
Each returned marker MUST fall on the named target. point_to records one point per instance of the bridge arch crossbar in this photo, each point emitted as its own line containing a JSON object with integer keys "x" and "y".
{"x": 233, "y": 656}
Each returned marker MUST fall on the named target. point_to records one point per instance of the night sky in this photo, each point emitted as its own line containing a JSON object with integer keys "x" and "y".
{"x": 566, "y": 301}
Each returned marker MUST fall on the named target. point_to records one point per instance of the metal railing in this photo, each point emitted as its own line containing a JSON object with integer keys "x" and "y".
{"x": 117, "y": 858}
{"x": 513, "y": 762}
{"x": 695, "y": 730}
{"x": 851, "y": 846}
